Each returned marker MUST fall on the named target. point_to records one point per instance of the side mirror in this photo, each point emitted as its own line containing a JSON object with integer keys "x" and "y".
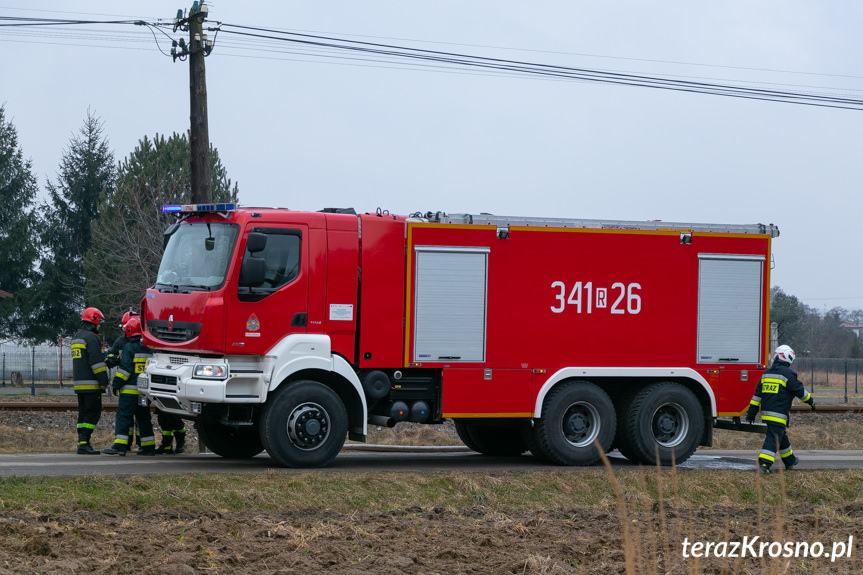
{"x": 252, "y": 274}
{"x": 256, "y": 242}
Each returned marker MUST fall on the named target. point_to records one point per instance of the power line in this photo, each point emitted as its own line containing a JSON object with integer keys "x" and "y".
{"x": 530, "y": 68}
{"x": 393, "y": 56}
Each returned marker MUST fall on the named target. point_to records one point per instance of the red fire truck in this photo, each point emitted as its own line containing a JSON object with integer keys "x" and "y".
{"x": 289, "y": 331}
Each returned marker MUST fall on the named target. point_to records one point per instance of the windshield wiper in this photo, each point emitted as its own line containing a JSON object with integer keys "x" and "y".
{"x": 197, "y": 287}
{"x": 163, "y": 287}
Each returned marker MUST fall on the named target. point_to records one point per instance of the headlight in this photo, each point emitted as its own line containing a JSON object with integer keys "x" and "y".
{"x": 211, "y": 371}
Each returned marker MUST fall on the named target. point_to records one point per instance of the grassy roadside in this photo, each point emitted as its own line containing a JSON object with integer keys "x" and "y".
{"x": 559, "y": 490}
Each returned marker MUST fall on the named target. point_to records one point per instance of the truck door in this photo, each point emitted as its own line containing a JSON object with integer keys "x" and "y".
{"x": 259, "y": 316}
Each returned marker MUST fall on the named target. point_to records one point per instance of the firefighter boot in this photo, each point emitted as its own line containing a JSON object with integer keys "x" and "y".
{"x": 763, "y": 469}
{"x": 181, "y": 442}
{"x": 116, "y": 449}
{"x": 84, "y": 447}
{"x": 148, "y": 450}
{"x": 165, "y": 446}
{"x": 790, "y": 462}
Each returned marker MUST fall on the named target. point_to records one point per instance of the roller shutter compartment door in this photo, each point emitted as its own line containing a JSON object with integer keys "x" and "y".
{"x": 729, "y": 308}
{"x": 450, "y": 304}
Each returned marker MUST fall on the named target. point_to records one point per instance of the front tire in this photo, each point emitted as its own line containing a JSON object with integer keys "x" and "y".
{"x": 304, "y": 425}
{"x": 229, "y": 442}
{"x": 665, "y": 421}
{"x": 576, "y": 416}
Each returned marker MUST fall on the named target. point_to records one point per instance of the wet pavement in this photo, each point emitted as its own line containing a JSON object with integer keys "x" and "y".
{"x": 365, "y": 460}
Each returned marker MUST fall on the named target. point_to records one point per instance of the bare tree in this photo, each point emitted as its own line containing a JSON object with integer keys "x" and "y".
{"x": 128, "y": 239}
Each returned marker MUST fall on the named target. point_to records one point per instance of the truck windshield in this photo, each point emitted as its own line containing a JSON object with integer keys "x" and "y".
{"x": 197, "y": 257}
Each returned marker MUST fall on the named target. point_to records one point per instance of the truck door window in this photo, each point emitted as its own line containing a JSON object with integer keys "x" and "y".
{"x": 281, "y": 262}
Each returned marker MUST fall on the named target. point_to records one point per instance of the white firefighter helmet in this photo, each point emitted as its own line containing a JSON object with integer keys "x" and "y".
{"x": 784, "y": 353}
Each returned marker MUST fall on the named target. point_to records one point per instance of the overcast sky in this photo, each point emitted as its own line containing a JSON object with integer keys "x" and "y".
{"x": 305, "y": 131}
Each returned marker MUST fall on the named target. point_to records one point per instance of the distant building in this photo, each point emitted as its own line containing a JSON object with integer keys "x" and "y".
{"x": 851, "y": 327}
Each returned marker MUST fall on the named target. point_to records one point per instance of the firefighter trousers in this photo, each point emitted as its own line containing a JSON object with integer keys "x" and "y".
{"x": 89, "y": 413}
{"x": 129, "y": 409}
{"x": 776, "y": 439}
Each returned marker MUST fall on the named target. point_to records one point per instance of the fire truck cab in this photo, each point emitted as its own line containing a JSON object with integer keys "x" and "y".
{"x": 289, "y": 331}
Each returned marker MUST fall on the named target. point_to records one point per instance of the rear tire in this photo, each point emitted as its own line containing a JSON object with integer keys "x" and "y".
{"x": 575, "y": 417}
{"x": 304, "y": 425}
{"x": 665, "y": 420}
{"x": 229, "y": 442}
{"x": 621, "y": 440}
{"x": 528, "y": 435}
{"x": 503, "y": 440}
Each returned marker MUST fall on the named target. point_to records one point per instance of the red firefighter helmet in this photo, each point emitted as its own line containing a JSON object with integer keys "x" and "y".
{"x": 126, "y": 317}
{"x": 133, "y": 326}
{"x": 92, "y": 315}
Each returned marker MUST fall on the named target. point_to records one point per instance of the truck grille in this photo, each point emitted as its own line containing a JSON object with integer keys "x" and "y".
{"x": 164, "y": 383}
{"x": 180, "y": 331}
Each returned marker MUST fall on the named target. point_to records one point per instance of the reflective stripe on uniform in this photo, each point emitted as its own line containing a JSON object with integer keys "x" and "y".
{"x": 756, "y": 401}
{"x": 768, "y": 455}
{"x": 86, "y": 426}
{"x": 122, "y": 374}
{"x": 774, "y": 416}
{"x": 129, "y": 390}
{"x": 149, "y": 440}
{"x": 775, "y": 378}
{"x": 99, "y": 367}
{"x": 807, "y": 397}
{"x": 86, "y": 387}
{"x": 121, "y": 439}
{"x": 787, "y": 452}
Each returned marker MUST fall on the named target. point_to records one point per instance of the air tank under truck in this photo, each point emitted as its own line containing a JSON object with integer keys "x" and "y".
{"x": 288, "y": 332}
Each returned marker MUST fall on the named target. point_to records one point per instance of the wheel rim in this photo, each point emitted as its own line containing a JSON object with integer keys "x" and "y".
{"x": 670, "y": 425}
{"x": 308, "y": 426}
{"x": 580, "y": 424}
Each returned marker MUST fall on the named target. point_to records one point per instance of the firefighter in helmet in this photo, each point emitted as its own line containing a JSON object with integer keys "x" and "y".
{"x": 131, "y": 403}
{"x": 90, "y": 377}
{"x": 112, "y": 358}
{"x": 773, "y": 395}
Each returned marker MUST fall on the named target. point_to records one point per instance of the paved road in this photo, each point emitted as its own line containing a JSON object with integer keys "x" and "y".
{"x": 356, "y": 461}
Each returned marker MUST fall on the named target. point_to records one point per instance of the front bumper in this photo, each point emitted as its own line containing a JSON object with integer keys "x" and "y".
{"x": 172, "y": 384}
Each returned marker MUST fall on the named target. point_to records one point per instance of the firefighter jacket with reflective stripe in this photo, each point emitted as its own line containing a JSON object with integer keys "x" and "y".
{"x": 89, "y": 372}
{"x": 775, "y": 391}
{"x": 118, "y": 345}
{"x": 113, "y": 356}
{"x": 133, "y": 362}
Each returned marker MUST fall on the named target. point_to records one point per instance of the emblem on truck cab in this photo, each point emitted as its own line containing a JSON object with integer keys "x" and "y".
{"x": 253, "y": 324}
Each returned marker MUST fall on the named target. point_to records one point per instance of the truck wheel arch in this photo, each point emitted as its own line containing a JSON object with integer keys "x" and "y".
{"x": 696, "y": 381}
{"x": 336, "y": 374}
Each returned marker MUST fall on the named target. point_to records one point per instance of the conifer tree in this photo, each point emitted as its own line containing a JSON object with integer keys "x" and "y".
{"x": 87, "y": 173}
{"x": 18, "y": 251}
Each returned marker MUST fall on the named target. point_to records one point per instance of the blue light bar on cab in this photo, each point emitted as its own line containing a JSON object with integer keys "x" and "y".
{"x": 197, "y": 208}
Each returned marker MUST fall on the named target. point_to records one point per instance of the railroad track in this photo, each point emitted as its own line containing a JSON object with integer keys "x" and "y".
{"x": 108, "y": 406}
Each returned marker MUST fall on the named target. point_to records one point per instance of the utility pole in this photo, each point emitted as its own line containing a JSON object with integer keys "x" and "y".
{"x": 199, "y": 136}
